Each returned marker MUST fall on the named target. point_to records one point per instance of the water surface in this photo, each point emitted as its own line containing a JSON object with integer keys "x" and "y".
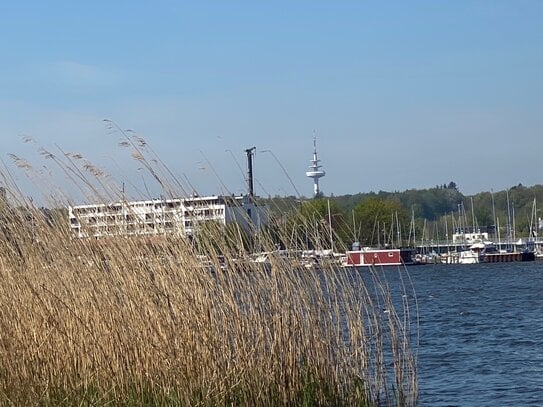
{"x": 481, "y": 334}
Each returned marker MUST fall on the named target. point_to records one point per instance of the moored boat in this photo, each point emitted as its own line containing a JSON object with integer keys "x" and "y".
{"x": 487, "y": 252}
{"x": 476, "y": 252}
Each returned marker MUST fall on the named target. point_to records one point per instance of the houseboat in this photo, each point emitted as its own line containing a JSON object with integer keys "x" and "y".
{"x": 369, "y": 256}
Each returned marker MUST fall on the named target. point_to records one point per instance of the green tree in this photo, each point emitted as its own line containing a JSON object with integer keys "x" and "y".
{"x": 380, "y": 220}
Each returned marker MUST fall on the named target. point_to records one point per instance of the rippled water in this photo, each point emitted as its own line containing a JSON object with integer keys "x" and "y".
{"x": 481, "y": 334}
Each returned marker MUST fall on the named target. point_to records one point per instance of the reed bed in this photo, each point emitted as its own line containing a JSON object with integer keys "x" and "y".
{"x": 128, "y": 320}
{"x": 138, "y": 321}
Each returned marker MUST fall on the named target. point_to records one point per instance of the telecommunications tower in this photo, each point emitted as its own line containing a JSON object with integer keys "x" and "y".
{"x": 315, "y": 171}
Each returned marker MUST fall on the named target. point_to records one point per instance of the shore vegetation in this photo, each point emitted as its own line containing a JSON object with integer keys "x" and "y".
{"x": 139, "y": 320}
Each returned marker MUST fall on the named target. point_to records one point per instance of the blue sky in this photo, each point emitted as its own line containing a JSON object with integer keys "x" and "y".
{"x": 400, "y": 94}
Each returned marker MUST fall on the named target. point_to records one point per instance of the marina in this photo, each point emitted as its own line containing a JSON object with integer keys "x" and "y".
{"x": 481, "y": 252}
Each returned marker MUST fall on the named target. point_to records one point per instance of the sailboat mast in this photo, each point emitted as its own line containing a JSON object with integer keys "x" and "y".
{"x": 499, "y": 236}
{"x": 446, "y": 231}
{"x": 472, "y": 217}
{"x": 532, "y": 221}
{"x": 493, "y": 210}
{"x": 508, "y": 217}
{"x": 414, "y": 231}
{"x": 514, "y": 225}
{"x": 398, "y": 231}
{"x": 413, "y": 226}
{"x": 354, "y": 227}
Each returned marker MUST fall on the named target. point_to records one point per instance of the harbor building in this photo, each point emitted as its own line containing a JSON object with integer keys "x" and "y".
{"x": 180, "y": 216}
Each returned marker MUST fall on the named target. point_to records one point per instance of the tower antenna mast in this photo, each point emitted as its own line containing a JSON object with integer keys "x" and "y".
{"x": 314, "y": 171}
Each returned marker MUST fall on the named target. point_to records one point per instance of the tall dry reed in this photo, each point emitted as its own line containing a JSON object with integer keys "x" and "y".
{"x": 134, "y": 321}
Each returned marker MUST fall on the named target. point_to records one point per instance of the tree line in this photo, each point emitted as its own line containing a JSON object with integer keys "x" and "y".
{"x": 408, "y": 217}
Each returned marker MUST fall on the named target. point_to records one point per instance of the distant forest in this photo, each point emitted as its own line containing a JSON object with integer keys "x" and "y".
{"x": 431, "y": 214}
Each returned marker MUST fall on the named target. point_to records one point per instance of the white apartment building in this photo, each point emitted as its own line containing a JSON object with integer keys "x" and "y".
{"x": 179, "y": 216}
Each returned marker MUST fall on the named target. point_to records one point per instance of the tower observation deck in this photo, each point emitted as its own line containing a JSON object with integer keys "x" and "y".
{"x": 314, "y": 171}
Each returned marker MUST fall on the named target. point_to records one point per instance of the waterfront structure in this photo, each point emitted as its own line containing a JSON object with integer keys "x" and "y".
{"x": 315, "y": 172}
{"x": 371, "y": 256}
{"x": 469, "y": 238}
{"x": 180, "y": 216}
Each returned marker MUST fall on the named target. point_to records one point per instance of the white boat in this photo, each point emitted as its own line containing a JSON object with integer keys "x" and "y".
{"x": 476, "y": 252}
